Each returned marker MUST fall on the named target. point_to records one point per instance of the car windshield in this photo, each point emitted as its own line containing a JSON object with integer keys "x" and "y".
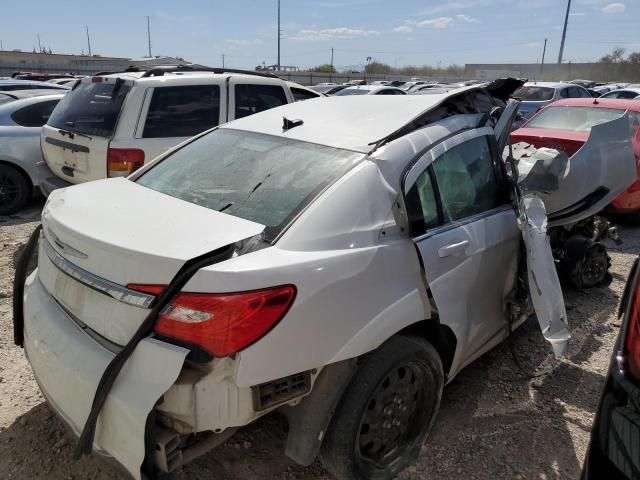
{"x": 92, "y": 108}
{"x": 352, "y": 91}
{"x": 534, "y": 94}
{"x": 257, "y": 177}
{"x": 578, "y": 119}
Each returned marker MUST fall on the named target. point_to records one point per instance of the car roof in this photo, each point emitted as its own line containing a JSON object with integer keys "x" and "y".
{"x": 633, "y": 90}
{"x": 167, "y": 76}
{"x": 550, "y": 84}
{"x": 347, "y": 122}
{"x": 13, "y": 81}
{"x": 614, "y": 103}
{"x": 14, "y": 105}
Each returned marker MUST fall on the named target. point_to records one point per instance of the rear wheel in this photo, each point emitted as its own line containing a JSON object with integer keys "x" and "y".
{"x": 592, "y": 269}
{"x": 15, "y": 190}
{"x": 386, "y": 412}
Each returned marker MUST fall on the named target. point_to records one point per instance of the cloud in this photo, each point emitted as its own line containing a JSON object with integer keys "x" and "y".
{"x": 466, "y": 18}
{"x": 533, "y": 45}
{"x": 614, "y": 8}
{"x": 403, "y": 29}
{"x": 243, "y": 43}
{"x": 438, "y": 23}
{"x": 342, "y": 33}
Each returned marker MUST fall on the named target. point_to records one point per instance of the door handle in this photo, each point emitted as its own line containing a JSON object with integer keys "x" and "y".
{"x": 453, "y": 249}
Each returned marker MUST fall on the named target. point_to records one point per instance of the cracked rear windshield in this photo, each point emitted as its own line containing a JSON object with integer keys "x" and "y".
{"x": 534, "y": 94}
{"x": 253, "y": 176}
{"x": 577, "y": 119}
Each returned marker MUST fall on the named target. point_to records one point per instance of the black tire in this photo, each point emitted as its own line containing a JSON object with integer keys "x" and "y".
{"x": 395, "y": 393}
{"x": 15, "y": 190}
{"x": 592, "y": 269}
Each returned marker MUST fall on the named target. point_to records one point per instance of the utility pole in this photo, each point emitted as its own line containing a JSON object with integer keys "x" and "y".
{"x": 331, "y": 59}
{"x": 88, "y": 41}
{"x": 149, "y": 36}
{"x": 279, "y": 35}
{"x": 544, "y": 50}
{"x": 564, "y": 32}
{"x": 223, "y": 55}
{"x": 39, "y": 46}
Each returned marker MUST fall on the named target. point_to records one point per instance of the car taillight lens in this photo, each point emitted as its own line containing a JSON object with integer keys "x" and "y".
{"x": 221, "y": 324}
{"x": 123, "y": 161}
{"x": 632, "y": 338}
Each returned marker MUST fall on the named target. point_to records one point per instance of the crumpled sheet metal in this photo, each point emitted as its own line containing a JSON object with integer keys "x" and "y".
{"x": 544, "y": 284}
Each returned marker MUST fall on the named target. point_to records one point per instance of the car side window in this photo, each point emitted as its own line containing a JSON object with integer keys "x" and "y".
{"x": 252, "y": 99}
{"x": 182, "y": 111}
{"x": 467, "y": 180}
{"x": 422, "y": 208}
{"x": 564, "y": 93}
{"x": 584, "y": 93}
{"x": 627, "y": 95}
{"x": 35, "y": 115}
{"x": 300, "y": 94}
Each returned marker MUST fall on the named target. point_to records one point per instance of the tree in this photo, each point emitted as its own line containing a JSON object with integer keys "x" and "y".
{"x": 616, "y": 56}
{"x": 377, "y": 67}
{"x": 324, "y": 68}
{"x": 634, "y": 58}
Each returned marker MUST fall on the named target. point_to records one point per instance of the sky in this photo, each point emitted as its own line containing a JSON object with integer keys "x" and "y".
{"x": 400, "y": 32}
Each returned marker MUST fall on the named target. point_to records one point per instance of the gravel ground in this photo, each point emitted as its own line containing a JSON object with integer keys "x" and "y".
{"x": 495, "y": 422}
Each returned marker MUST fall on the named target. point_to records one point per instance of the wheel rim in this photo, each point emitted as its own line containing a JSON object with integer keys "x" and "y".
{"x": 9, "y": 189}
{"x": 394, "y": 417}
{"x": 594, "y": 268}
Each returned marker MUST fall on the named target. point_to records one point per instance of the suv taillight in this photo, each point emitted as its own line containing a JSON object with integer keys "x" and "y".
{"x": 123, "y": 161}
{"x": 224, "y": 323}
{"x": 632, "y": 337}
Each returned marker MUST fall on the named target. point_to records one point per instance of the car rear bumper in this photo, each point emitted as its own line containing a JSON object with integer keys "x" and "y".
{"x": 47, "y": 181}
{"x": 68, "y": 364}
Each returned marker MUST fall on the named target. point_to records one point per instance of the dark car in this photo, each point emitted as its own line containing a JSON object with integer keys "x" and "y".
{"x": 614, "y": 450}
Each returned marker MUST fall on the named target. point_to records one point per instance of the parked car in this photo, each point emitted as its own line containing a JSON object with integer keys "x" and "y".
{"x": 625, "y": 94}
{"x": 39, "y": 76}
{"x": 110, "y": 125}
{"x": 565, "y": 125}
{"x": 5, "y": 98}
{"x": 370, "y": 90}
{"x": 536, "y": 95}
{"x": 12, "y": 85}
{"x": 328, "y": 89}
{"x": 337, "y": 260}
{"x": 63, "y": 81}
{"x": 20, "y": 123}
{"x": 584, "y": 83}
{"x": 613, "y": 447}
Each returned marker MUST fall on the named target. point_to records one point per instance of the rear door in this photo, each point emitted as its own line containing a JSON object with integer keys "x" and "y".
{"x": 466, "y": 234}
{"x": 76, "y": 138}
{"x": 249, "y": 95}
{"x": 173, "y": 113}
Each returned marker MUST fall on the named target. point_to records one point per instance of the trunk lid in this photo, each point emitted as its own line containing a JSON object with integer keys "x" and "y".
{"x": 562, "y": 140}
{"x": 75, "y": 140}
{"x": 102, "y": 236}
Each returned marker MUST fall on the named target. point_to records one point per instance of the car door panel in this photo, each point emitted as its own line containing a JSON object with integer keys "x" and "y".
{"x": 469, "y": 263}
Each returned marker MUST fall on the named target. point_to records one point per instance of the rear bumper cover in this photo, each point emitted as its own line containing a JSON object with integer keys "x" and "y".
{"x": 68, "y": 365}
{"x": 48, "y": 182}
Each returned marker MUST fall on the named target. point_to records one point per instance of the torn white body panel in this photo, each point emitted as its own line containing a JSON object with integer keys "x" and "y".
{"x": 68, "y": 364}
{"x": 544, "y": 284}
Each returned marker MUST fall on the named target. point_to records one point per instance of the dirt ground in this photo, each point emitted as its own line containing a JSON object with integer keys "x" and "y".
{"x": 495, "y": 423}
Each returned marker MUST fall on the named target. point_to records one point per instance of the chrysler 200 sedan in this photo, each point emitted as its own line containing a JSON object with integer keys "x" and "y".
{"x": 339, "y": 259}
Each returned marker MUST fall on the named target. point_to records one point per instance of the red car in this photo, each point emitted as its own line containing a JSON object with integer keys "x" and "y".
{"x": 566, "y": 124}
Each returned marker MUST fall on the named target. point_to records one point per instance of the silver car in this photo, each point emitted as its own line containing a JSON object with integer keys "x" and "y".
{"x": 20, "y": 123}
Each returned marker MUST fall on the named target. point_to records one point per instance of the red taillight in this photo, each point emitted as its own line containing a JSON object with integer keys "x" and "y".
{"x": 224, "y": 323}
{"x": 632, "y": 338}
{"x": 123, "y": 161}
{"x": 154, "y": 290}
{"x": 96, "y": 79}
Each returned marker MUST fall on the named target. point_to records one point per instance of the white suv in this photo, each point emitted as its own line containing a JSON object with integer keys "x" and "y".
{"x": 110, "y": 125}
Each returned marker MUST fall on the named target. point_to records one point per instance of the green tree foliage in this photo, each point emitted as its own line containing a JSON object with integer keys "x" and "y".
{"x": 325, "y": 68}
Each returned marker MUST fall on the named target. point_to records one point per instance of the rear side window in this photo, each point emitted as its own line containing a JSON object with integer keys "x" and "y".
{"x": 252, "y": 99}
{"x": 253, "y": 176}
{"x": 300, "y": 94}
{"x": 466, "y": 179}
{"x": 35, "y": 115}
{"x": 92, "y": 108}
{"x": 182, "y": 111}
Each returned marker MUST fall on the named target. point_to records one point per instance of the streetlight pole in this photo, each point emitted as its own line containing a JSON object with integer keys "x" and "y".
{"x": 223, "y": 55}
{"x": 279, "y": 35}
{"x": 564, "y": 32}
{"x": 88, "y": 40}
{"x": 544, "y": 50}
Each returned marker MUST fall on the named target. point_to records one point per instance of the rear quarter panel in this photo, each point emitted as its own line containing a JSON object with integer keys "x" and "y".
{"x": 20, "y": 146}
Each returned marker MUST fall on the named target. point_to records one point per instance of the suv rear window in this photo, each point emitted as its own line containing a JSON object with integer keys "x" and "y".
{"x": 257, "y": 177}
{"x": 252, "y": 99}
{"x": 92, "y": 108}
{"x": 534, "y": 94}
{"x": 577, "y": 119}
{"x": 182, "y": 111}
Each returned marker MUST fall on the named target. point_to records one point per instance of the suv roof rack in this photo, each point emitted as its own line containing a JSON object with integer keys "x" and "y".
{"x": 160, "y": 71}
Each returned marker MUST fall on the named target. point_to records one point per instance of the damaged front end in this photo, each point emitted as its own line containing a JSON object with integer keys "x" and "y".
{"x": 553, "y": 190}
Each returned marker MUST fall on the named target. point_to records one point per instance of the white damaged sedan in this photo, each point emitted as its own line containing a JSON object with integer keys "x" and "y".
{"x": 338, "y": 259}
